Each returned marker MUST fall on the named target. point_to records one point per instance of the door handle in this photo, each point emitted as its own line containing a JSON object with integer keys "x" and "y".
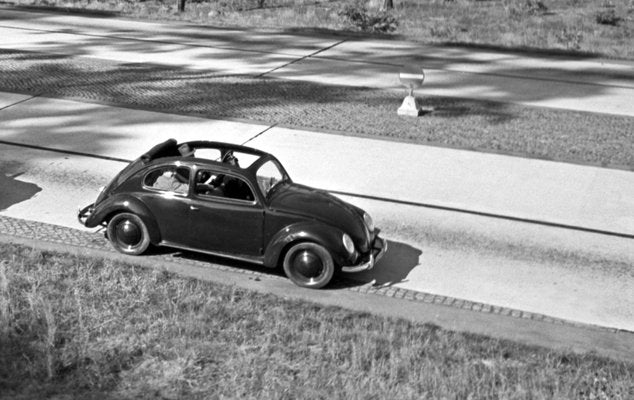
{"x": 194, "y": 208}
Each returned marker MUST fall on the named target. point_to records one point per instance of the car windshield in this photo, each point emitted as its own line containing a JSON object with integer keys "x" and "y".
{"x": 269, "y": 175}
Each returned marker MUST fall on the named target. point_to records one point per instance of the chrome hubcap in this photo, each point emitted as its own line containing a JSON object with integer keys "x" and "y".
{"x": 308, "y": 264}
{"x": 128, "y": 233}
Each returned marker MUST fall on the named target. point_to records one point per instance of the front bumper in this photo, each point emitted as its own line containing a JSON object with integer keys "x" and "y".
{"x": 379, "y": 247}
{"x": 85, "y": 213}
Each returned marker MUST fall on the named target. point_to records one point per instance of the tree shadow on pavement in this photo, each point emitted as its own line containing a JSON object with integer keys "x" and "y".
{"x": 15, "y": 191}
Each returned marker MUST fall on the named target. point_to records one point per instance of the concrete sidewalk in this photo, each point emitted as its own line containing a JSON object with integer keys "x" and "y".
{"x": 589, "y": 198}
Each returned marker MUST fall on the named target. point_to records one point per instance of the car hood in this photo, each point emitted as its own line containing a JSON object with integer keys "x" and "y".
{"x": 320, "y": 205}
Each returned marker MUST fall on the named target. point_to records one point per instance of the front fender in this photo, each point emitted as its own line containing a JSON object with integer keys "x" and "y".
{"x": 103, "y": 211}
{"x": 307, "y": 231}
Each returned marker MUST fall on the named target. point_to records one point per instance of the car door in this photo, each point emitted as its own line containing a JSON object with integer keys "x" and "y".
{"x": 225, "y": 216}
{"x": 165, "y": 193}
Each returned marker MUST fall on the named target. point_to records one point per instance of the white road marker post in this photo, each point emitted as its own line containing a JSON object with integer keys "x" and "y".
{"x": 412, "y": 78}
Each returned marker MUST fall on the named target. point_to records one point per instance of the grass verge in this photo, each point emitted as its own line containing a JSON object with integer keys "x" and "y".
{"x": 86, "y": 328}
{"x": 569, "y": 136}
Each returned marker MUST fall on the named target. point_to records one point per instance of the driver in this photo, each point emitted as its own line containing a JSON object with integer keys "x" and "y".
{"x": 233, "y": 188}
{"x": 223, "y": 179}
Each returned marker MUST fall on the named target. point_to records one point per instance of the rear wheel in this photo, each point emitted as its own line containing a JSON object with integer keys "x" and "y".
{"x": 128, "y": 234}
{"x": 309, "y": 265}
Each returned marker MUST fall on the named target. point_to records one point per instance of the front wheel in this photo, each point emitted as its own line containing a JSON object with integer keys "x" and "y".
{"x": 309, "y": 265}
{"x": 128, "y": 234}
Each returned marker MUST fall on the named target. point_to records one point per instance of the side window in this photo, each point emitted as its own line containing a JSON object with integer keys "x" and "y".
{"x": 213, "y": 184}
{"x": 169, "y": 179}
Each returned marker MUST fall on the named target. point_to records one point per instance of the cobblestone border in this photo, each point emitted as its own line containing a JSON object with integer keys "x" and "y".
{"x": 96, "y": 240}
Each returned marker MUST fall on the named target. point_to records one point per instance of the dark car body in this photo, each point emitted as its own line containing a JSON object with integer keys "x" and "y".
{"x": 254, "y": 213}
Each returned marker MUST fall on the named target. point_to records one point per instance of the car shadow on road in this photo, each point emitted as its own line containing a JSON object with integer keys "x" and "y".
{"x": 202, "y": 259}
{"x": 393, "y": 268}
{"x": 399, "y": 260}
{"x": 15, "y": 191}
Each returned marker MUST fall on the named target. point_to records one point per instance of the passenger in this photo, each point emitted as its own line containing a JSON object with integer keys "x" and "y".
{"x": 185, "y": 150}
{"x": 230, "y": 159}
{"x": 169, "y": 181}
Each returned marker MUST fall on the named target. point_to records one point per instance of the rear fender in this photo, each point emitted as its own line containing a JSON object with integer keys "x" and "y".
{"x": 105, "y": 210}
{"x": 308, "y": 231}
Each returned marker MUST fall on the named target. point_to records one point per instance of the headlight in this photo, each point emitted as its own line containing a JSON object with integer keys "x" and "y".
{"x": 368, "y": 222}
{"x": 348, "y": 243}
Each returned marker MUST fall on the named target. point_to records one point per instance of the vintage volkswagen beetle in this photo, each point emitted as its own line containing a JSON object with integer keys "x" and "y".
{"x": 196, "y": 196}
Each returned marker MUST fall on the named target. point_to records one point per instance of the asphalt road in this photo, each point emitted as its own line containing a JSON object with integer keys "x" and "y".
{"x": 575, "y": 275}
{"x": 579, "y": 276}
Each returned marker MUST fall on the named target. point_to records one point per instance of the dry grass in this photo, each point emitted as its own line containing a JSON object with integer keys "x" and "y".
{"x": 565, "y": 25}
{"x": 87, "y": 328}
{"x": 600, "y": 27}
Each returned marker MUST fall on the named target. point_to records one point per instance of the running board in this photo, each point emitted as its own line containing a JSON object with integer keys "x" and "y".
{"x": 240, "y": 257}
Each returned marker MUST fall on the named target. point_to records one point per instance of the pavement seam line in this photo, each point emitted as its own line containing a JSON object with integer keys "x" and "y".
{"x": 20, "y": 102}
{"x": 260, "y": 133}
{"x": 63, "y": 151}
{"x": 43, "y": 232}
{"x": 302, "y": 58}
{"x": 484, "y": 214}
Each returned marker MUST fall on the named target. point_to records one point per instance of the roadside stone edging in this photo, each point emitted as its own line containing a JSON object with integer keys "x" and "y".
{"x": 95, "y": 240}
